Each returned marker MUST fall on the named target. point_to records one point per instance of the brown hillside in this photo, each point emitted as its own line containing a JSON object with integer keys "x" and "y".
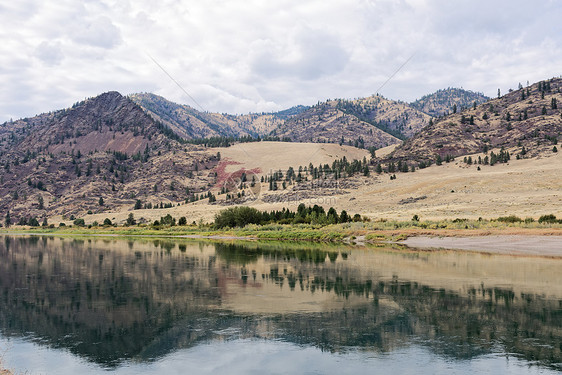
{"x": 389, "y": 115}
{"x": 105, "y": 147}
{"x": 326, "y": 123}
{"x": 529, "y": 117}
{"x": 442, "y": 102}
{"x": 190, "y": 123}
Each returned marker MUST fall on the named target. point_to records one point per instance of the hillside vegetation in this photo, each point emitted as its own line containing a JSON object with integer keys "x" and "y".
{"x": 529, "y": 119}
{"x": 444, "y": 102}
{"x": 99, "y": 155}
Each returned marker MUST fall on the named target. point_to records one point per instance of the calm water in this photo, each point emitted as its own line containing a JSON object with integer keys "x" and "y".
{"x": 94, "y": 305}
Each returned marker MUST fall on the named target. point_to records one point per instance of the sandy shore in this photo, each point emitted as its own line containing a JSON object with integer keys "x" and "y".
{"x": 549, "y": 246}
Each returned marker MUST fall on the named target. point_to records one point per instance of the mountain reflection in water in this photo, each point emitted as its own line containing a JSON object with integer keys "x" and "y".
{"x": 114, "y": 300}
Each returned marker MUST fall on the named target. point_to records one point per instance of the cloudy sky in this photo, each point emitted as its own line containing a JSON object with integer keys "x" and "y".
{"x": 242, "y": 56}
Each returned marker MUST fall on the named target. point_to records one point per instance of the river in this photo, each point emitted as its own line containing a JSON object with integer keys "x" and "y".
{"x": 92, "y": 305}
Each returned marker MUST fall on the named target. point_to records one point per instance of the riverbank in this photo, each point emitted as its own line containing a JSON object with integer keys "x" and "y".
{"x": 358, "y": 232}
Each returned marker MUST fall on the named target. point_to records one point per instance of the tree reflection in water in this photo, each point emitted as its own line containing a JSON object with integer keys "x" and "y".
{"x": 111, "y": 300}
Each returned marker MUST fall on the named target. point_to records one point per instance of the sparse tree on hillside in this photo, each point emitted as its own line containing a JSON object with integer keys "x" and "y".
{"x": 100, "y": 201}
{"x": 131, "y": 220}
{"x": 138, "y": 204}
{"x": 7, "y": 219}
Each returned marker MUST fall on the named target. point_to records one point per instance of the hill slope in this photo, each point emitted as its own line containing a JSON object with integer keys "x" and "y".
{"x": 105, "y": 147}
{"x": 326, "y": 123}
{"x": 442, "y": 102}
{"x": 528, "y": 118}
{"x": 394, "y": 117}
{"x": 190, "y": 123}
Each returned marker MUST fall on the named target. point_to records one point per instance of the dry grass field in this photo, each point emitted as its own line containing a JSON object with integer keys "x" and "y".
{"x": 272, "y": 156}
{"x": 526, "y": 188}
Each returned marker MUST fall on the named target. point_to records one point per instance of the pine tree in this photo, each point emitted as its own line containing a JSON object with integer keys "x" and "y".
{"x": 131, "y": 220}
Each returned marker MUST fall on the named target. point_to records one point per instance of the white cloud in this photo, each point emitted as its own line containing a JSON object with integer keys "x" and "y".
{"x": 49, "y": 53}
{"x": 240, "y": 56}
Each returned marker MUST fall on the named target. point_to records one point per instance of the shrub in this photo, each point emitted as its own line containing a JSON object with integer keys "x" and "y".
{"x": 551, "y": 219}
{"x": 237, "y": 217}
{"x": 107, "y": 222}
{"x": 79, "y": 222}
{"x": 509, "y": 219}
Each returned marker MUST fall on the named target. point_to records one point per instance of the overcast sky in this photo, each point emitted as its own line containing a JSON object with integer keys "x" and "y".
{"x": 240, "y": 56}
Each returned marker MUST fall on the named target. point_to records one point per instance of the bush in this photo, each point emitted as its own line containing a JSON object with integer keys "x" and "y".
{"x": 107, "y": 222}
{"x": 550, "y": 219}
{"x": 79, "y": 222}
{"x": 182, "y": 221}
{"x": 509, "y": 219}
{"x": 237, "y": 217}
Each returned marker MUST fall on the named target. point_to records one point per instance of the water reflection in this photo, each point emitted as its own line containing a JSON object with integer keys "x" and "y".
{"x": 112, "y": 300}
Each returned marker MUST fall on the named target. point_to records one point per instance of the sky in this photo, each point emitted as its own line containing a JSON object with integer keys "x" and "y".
{"x": 241, "y": 56}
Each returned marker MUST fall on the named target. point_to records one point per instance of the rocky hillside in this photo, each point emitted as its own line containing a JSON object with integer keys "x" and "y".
{"x": 394, "y": 117}
{"x": 190, "y": 123}
{"x": 444, "y": 102}
{"x": 100, "y": 154}
{"x": 528, "y": 119}
{"x": 327, "y": 123}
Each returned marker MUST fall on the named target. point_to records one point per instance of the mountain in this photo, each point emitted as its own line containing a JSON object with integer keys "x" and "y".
{"x": 367, "y": 122}
{"x": 190, "y": 123}
{"x": 442, "y": 102}
{"x": 527, "y": 120}
{"x": 105, "y": 147}
{"x": 325, "y": 123}
{"x": 393, "y": 117}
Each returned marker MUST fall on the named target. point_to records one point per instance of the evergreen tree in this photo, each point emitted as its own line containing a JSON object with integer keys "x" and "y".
{"x": 138, "y": 204}
{"x": 131, "y": 220}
